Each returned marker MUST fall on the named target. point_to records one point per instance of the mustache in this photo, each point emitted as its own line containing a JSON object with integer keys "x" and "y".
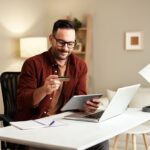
{"x": 63, "y": 51}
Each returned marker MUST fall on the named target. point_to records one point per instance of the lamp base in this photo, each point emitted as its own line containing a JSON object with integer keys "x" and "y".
{"x": 146, "y": 109}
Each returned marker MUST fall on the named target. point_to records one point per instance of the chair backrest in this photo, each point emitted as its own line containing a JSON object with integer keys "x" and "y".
{"x": 9, "y": 83}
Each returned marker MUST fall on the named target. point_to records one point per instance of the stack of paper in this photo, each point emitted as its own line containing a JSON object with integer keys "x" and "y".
{"x": 38, "y": 123}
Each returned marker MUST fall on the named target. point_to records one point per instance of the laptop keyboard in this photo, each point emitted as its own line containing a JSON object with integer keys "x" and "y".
{"x": 95, "y": 115}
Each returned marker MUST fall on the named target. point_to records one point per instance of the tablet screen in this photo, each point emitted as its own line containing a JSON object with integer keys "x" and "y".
{"x": 77, "y": 101}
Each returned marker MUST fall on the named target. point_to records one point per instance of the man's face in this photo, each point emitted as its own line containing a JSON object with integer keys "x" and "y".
{"x": 63, "y": 43}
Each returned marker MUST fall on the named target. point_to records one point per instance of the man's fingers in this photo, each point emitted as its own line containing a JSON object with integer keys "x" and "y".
{"x": 52, "y": 83}
{"x": 96, "y": 100}
{"x": 93, "y": 104}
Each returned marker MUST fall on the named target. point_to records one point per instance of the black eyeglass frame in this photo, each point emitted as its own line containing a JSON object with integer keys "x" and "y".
{"x": 62, "y": 43}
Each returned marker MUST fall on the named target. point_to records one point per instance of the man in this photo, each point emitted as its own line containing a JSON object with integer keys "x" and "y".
{"x": 41, "y": 93}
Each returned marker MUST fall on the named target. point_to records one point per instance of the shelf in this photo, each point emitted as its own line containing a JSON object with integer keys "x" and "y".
{"x": 84, "y": 37}
{"x": 82, "y": 29}
{"x": 80, "y": 53}
{"x": 84, "y": 44}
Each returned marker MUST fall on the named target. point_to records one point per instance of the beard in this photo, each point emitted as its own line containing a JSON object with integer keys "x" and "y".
{"x": 61, "y": 54}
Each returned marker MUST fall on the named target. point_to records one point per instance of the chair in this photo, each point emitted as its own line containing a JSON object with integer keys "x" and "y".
{"x": 9, "y": 83}
{"x": 140, "y": 130}
{"x": 141, "y": 99}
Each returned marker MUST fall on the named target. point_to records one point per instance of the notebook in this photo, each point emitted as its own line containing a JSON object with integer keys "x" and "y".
{"x": 117, "y": 106}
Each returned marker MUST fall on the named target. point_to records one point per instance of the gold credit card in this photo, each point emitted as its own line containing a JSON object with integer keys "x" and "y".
{"x": 63, "y": 78}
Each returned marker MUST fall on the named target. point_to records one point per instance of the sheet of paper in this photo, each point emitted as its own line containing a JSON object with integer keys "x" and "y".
{"x": 48, "y": 120}
{"x": 58, "y": 123}
{"x": 38, "y": 123}
{"x": 45, "y": 121}
{"x": 25, "y": 125}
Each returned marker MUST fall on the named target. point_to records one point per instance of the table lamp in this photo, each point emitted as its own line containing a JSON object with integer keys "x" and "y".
{"x": 145, "y": 73}
{"x": 31, "y": 46}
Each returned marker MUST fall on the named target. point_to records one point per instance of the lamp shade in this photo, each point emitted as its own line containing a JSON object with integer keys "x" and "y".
{"x": 31, "y": 46}
{"x": 145, "y": 72}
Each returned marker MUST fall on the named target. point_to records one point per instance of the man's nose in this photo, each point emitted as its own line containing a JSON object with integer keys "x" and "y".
{"x": 65, "y": 46}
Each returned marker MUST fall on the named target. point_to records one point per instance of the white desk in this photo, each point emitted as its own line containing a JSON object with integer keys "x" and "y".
{"x": 76, "y": 135}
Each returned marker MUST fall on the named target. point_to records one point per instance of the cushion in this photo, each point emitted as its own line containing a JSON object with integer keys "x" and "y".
{"x": 110, "y": 94}
{"x": 141, "y": 99}
{"x": 103, "y": 103}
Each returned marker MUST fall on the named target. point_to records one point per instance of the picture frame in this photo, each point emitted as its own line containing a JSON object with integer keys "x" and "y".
{"x": 134, "y": 40}
{"x": 78, "y": 47}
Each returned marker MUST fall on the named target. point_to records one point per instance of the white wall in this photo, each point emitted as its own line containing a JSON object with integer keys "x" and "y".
{"x": 113, "y": 65}
{"x": 19, "y": 18}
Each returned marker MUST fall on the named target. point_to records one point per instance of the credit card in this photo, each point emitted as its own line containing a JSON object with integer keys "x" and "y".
{"x": 63, "y": 78}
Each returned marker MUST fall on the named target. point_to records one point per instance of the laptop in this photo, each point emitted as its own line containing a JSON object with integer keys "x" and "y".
{"x": 117, "y": 106}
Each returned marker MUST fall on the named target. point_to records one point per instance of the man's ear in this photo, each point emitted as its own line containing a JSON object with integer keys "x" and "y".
{"x": 50, "y": 38}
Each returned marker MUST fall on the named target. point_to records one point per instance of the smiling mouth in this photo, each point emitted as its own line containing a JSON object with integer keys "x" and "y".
{"x": 63, "y": 52}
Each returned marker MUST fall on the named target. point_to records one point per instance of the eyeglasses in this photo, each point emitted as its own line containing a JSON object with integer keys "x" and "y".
{"x": 62, "y": 43}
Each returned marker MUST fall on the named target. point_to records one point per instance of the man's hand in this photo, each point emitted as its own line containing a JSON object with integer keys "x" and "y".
{"x": 91, "y": 105}
{"x": 52, "y": 83}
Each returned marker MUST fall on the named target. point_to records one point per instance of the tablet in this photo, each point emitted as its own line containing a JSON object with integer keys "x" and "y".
{"x": 77, "y": 101}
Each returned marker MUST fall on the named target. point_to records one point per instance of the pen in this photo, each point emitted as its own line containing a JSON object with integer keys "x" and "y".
{"x": 51, "y": 123}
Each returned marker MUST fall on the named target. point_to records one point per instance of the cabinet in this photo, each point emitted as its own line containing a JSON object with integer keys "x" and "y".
{"x": 84, "y": 45}
{"x": 84, "y": 40}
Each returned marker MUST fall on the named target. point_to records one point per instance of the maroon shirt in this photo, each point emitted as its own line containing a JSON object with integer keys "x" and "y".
{"x": 33, "y": 74}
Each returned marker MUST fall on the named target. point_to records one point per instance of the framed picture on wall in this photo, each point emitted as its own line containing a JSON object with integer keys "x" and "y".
{"x": 134, "y": 40}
